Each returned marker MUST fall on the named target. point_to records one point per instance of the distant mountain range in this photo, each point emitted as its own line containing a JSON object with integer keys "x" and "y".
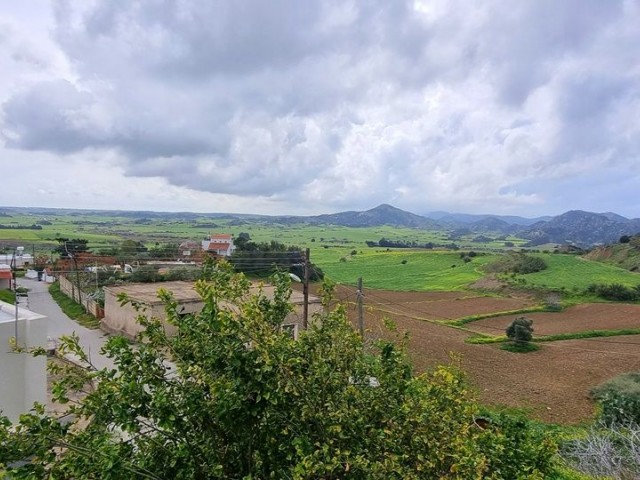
{"x": 575, "y": 227}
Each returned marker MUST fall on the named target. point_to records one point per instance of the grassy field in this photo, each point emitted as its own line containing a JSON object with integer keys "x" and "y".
{"x": 402, "y": 269}
{"x": 331, "y": 249}
{"x": 576, "y": 273}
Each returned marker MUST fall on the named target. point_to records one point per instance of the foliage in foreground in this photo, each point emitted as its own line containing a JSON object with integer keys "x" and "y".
{"x": 231, "y": 396}
{"x": 607, "y": 450}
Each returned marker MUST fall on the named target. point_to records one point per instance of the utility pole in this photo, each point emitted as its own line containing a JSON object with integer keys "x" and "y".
{"x": 305, "y": 290}
{"x": 14, "y": 266}
{"x": 360, "y": 302}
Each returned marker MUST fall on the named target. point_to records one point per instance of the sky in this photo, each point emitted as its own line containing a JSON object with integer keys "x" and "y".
{"x": 305, "y": 107}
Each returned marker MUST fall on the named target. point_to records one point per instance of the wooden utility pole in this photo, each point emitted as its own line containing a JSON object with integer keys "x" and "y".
{"x": 360, "y": 302}
{"x": 305, "y": 289}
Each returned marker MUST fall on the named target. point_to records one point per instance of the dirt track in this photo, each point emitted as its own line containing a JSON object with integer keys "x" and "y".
{"x": 553, "y": 383}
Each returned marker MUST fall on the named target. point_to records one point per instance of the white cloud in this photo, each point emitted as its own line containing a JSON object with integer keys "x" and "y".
{"x": 426, "y": 105}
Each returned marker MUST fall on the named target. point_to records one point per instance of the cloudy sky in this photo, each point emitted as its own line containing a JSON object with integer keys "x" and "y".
{"x": 301, "y": 107}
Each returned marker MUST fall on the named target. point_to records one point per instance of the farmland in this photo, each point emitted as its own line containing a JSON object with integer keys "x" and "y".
{"x": 441, "y": 297}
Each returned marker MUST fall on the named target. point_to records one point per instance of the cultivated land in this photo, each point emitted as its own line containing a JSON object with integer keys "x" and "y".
{"x": 427, "y": 293}
{"x": 551, "y": 384}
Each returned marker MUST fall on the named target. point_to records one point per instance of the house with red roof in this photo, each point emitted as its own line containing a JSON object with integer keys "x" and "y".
{"x": 219, "y": 244}
{"x": 5, "y": 276}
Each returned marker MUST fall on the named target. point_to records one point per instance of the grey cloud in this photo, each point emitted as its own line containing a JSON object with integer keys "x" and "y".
{"x": 341, "y": 102}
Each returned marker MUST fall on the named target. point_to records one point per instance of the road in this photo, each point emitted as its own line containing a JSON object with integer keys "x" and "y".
{"x": 59, "y": 324}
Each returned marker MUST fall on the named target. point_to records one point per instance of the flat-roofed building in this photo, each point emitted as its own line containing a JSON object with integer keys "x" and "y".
{"x": 123, "y": 319}
{"x": 23, "y": 377}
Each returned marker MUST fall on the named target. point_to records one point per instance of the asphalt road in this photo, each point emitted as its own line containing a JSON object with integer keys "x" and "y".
{"x": 59, "y": 324}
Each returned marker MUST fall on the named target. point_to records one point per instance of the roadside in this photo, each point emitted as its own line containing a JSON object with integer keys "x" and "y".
{"x": 40, "y": 301}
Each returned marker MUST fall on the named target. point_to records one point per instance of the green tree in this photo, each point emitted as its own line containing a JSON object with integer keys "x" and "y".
{"x": 67, "y": 248}
{"x": 231, "y": 396}
{"x": 520, "y": 330}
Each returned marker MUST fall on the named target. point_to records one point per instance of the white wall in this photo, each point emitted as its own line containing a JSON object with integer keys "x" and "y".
{"x": 23, "y": 378}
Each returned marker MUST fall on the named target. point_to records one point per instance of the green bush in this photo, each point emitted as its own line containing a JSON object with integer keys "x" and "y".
{"x": 619, "y": 398}
{"x": 520, "y": 330}
{"x": 615, "y": 292}
{"x": 517, "y": 263}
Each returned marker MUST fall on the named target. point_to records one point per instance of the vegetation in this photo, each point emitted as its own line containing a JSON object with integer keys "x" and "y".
{"x": 520, "y": 347}
{"x": 518, "y": 263}
{"x": 609, "y": 451}
{"x": 483, "y": 339}
{"x": 619, "y": 399}
{"x": 241, "y": 399}
{"x": 520, "y": 330}
{"x": 71, "y": 309}
{"x": 615, "y": 292}
{"x": 7, "y": 296}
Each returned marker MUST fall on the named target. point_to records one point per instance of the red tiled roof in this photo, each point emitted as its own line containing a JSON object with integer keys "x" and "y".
{"x": 219, "y": 246}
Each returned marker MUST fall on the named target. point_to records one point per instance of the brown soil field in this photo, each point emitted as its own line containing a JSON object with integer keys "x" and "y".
{"x": 551, "y": 384}
{"x": 579, "y": 318}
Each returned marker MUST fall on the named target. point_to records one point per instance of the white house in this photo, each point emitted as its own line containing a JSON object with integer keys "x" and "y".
{"x": 22, "y": 376}
{"x": 219, "y": 244}
{"x": 22, "y": 259}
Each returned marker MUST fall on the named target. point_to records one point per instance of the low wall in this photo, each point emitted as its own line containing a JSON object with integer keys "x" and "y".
{"x": 71, "y": 291}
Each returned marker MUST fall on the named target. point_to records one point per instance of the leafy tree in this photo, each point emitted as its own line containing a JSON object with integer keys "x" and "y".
{"x": 67, "y": 248}
{"x": 231, "y": 396}
{"x": 520, "y": 330}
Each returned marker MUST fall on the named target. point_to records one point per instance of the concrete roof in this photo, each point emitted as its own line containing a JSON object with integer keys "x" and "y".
{"x": 184, "y": 292}
{"x": 8, "y": 313}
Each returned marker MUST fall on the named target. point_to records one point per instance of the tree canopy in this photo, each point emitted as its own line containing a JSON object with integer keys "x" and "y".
{"x": 233, "y": 396}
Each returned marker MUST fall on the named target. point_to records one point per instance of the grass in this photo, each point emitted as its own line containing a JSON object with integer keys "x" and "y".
{"x": 570, "y": 272}
{"x": 71, "y": 309}
{"x": 474, "y": 318}
{"x": 405, "y": 270}
{"x": 8, "y": 296}
{"x": 520, "y": 347}
{"x": 481, "y": 339}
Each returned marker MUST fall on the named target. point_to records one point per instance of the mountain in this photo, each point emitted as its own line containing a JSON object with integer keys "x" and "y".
{"x": 381, "y": 215}
{"x": 581, "y": 228}
{"x": 462, "y": 218}
{"x": 493, "y": 224}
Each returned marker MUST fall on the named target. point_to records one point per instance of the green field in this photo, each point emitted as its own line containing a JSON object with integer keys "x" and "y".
{"x": 423, "y": 270}
{"x": 331, "y": 249}
{"x": 576, "y": 273}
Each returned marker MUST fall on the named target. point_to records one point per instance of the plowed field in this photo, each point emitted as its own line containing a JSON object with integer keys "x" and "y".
{"x": 553, "y": 383}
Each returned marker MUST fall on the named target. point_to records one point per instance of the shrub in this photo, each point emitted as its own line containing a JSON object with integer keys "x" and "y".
{"x": 518, "y": 263}
{"x": 520, "y": 330}
{"x": 619, "y": 398}
{"x": 615, "y": 292}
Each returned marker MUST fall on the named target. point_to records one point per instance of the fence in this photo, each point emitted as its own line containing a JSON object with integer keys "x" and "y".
{"x": 71, "y": 291}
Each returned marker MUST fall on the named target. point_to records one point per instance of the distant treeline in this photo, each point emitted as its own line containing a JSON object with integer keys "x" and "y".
{"x": 385, "y": 243}
{"x": 20, "y": 227}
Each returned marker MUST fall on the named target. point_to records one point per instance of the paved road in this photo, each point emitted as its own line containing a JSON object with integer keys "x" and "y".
{"x": 59, "y": 324}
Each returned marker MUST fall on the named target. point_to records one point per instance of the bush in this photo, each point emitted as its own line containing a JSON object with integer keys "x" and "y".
{"x": 520, "y": 330}
{"x": 614, "y": 292}
{"x": 619, "y": 398}
{"x": 607, "y": 451}
{"x": 518, "y": 263}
